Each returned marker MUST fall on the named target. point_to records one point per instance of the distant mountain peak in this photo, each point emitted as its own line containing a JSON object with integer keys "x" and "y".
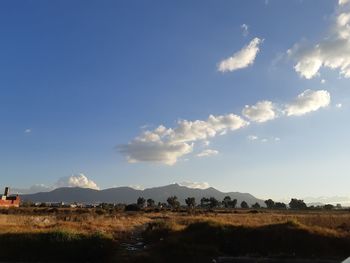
{"x": 130, "y": 195}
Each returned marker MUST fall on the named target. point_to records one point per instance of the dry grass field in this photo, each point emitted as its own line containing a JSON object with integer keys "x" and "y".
{"x": 29, "y": 234}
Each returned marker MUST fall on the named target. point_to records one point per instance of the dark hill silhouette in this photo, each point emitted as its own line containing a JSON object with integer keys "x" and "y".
{"x": 129, "y": 195}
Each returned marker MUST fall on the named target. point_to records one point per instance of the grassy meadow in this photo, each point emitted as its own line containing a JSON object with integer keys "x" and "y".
{"x": 111, "y": 235}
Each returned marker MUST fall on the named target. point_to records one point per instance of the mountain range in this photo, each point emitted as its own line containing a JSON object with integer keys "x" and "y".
{"x": 129, "y": 195}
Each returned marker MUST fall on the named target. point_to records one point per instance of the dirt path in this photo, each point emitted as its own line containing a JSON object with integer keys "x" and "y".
{"x": 132, "y": 245}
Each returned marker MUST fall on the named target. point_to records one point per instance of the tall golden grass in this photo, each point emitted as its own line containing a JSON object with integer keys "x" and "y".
{"x": 118, "y": 224}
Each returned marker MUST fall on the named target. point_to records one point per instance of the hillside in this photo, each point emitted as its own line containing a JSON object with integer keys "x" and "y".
{"x": 130, "y": 195}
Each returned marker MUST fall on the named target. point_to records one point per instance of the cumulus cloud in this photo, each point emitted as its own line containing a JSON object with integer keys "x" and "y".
{"x": 260, "y": 112}
{"x": 245, "y": 30}
{"x": 196, "y": 185}
{"x": 207, "y": 153}
{"x": 332, "y": 52}
{"x": 343, "y": 2}
{"x": 78, "y": 180}
{"x": 160, "y": 151}
{"x": 242, "y": 58}
{"x": 308, "y": 101}
{"x": 166, "y": 145}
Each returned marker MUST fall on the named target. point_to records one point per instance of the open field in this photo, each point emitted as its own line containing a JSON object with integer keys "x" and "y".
{"x": 44, "y": 234}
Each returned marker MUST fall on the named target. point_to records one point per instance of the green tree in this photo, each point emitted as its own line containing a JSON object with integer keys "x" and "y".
{"x": 213, "y": 202}
{"x": 244, "y": 205}
{"x": 256, "y": 205}
{"x": 205, "y": 202}
{"x": 270, "y": 204}
{"x": 190, "y": 202}
{"x": 141, "y": 202}
{"x": 226, "y": 202}
{"x": 173, "y": 202}
{"x": 328, "y": 207}
{"x": 297, "y": 204}
{"x": 280, "y": 205}
{"x": 150, "y": 202}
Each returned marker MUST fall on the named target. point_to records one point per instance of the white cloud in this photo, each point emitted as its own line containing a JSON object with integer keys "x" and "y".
{"x": 245, "y": 30}
{"x": 242, "y": 58}
{"x": 159, "y": 152}
{"x": 79, "y": 180}
{"x": 166, "y": 145}
{"x": 207, "y": 153}
{"x": 137, "y": 187}
{"x": 256, "y": 138}
{"x": 343, "y": 2}
{"x": 260, "y": 112}
{"x": 338, "y": 105}
{"x": 308, "y": 101}
{"x": 252, "y": 137}
{"x": 27, "y": 130}
{"x": 332, "y": 52}
{"x": 196, "y": 185}
{"x": 323, "y": 81}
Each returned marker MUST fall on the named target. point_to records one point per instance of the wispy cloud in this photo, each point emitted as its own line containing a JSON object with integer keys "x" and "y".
{"x": 241, "y": 59}
{"x": 207, "y": 153}
{"x": 252, "y": 137}
{"x": 245, "y": 30}
{"x": 255, "y": 138}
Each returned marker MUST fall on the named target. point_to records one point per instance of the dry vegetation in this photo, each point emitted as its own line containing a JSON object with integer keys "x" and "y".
{"x": 207, "y": 234}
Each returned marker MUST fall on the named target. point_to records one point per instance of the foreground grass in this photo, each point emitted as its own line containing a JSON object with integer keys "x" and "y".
{"x": 55, "y": 245}
{"x": 203, "y": 241}
{"x": 95, "y": 236}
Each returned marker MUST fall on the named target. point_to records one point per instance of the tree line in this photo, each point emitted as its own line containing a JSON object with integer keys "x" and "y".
{"x": 227, "y": 202}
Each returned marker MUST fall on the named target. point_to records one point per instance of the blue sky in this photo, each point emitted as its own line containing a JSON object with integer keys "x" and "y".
{"x": 82, "y": 82}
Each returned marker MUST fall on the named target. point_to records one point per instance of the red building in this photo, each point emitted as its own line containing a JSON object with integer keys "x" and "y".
{"x": 9, "y": 200}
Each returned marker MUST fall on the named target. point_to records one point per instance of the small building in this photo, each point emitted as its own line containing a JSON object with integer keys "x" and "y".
{"x": 8, "y": 200}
